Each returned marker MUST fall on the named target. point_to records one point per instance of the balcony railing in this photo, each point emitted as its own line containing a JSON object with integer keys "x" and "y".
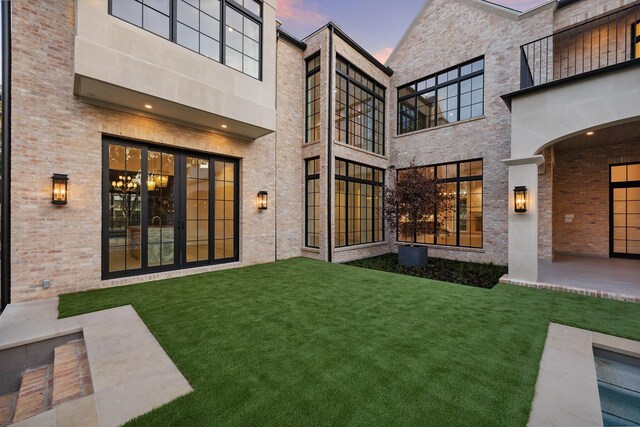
{"x": 595, "y": 44}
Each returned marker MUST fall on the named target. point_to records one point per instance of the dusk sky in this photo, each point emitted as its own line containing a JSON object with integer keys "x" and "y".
{"x": 362, "y": 19}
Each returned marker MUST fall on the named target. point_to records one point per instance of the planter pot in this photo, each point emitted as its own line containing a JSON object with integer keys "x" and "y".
{"x": 413, "y": 256}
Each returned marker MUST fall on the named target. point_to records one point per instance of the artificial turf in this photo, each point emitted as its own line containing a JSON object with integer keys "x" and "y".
{"x": 303, "y": 342}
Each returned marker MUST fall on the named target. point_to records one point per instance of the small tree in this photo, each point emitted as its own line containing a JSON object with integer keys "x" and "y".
{"x": 413, "y": 200}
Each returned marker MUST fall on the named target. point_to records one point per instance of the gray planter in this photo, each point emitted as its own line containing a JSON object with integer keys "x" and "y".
{"x": 413, "y": 256}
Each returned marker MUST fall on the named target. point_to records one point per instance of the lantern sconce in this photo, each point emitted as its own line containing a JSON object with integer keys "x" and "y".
{"x": 263, "y": 200}
{"x": 59, "y": 189}
{"x": 520, "y": 198}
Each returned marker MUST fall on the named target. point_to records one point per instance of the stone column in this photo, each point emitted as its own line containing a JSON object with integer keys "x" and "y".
{"x": 523, "y": 227}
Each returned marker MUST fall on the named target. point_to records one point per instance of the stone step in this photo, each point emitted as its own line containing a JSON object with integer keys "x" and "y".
{"x": 7, "y": 407}
{"x": 34, "y": 396}
{"x": 71, "y": 374}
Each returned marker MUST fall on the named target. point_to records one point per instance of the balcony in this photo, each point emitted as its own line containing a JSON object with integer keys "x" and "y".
{"x": 123, "y": 67}
{"x": 606, "y": 42}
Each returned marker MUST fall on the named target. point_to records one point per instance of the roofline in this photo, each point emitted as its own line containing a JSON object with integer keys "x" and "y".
{"x": 362, "y": 51}
{"x": 507, "y": 12}
{"x": 291, "y": 39}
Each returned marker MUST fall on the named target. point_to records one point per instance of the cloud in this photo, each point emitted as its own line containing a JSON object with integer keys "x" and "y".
{"x": 383, "y": 54}
{"x": 296, "y": 14}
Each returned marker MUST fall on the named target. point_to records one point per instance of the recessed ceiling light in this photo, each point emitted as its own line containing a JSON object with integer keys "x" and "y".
{"x": 590, "y": 133}
{"x": 224, "y": 126}
{"x": 148, "y": 106}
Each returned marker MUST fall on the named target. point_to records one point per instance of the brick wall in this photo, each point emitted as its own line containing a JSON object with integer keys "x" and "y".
{"x": 581, "y": 189}
{"x": 475, "y": 30}
{"x": 290, "y": 106}
{"x": 53, "y": 131}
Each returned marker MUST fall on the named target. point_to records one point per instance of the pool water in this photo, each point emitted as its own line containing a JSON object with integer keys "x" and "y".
{"x": 619, "y": 387}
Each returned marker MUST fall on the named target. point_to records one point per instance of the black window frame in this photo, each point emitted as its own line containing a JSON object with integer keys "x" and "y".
{"x": 635, "y": 39}
{"x": 309, "y": 73}
{"x": 173, "y": 24}
{"x": 347, "y": 179}
{"x": 434, "y": 88}
{"x": 309, "y": 177}
{"x": 178, "y": 265}
{"x": 377, "y": 97}
{"x": 458, "y": 179}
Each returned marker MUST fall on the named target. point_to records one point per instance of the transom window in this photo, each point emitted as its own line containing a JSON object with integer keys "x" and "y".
{"x": 463, "y": 222}
{"x": 359, "y": 108}
{"x": 359, "y": 192}
{"x": 445, "y": 97}
{"x": 204, "y": 26}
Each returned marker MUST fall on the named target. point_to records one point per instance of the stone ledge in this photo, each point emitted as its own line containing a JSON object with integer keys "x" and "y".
{"x": 571, "y": 290}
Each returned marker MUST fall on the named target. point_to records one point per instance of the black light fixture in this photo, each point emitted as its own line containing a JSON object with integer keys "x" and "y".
{"x": 520, "y": 198}
{"x": 263, "y": 200}
{"x": 59, "y": 189}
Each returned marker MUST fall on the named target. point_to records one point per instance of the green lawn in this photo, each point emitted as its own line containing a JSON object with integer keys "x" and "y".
{"x": 303, "y": 342}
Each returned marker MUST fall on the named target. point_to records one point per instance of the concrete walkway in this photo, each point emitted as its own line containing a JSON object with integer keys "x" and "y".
{"x": 567, "y": 387}
{"x": 131, "y": 372}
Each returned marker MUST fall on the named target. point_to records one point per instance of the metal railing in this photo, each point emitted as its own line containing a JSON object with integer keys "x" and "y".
{"x": 595, "y": 44}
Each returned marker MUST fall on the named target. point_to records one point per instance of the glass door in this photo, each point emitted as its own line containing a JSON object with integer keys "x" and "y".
{"x": 196, "y": 224}
{"x": 166, "y": 210}
{"x": 625, "y": 211}
{"x": 161, "y": 209}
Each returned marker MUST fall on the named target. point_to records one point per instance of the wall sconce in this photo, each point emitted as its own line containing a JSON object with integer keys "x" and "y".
{"x": 520, "y": 194}
{"x": 59, "y": 189}
{"x": 263, "y": 200}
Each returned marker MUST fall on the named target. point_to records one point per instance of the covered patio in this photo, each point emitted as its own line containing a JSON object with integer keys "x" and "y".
{"x": 612, "y": 276}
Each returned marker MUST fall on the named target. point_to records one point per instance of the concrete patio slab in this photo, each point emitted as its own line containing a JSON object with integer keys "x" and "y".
{"x": 611, "y": 278}
{"x": 131, "y": 372}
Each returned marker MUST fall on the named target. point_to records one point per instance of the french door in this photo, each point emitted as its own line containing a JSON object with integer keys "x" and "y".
{"x": 166, "y": 209}
{"x": 625, "y": 211}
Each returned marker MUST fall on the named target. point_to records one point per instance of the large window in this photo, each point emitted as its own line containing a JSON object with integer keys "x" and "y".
{"x": 462, "y": 224}
{"x": 359, "y": 192}
{"x": 203, "y": 26}
{"x": 636, "y": 40}
{"x": 312, "y": 205}
{"x": 359, "y": 108}
{"x": 446, "y": 97}
{"x": 165, "y": 209}
{"x": 313, "y": 99}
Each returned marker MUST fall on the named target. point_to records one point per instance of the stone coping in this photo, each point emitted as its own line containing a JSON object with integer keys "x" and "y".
{"x": 131, "y": 372}
{"x": 572, "y": 290}
{"x": 567, "y": 387}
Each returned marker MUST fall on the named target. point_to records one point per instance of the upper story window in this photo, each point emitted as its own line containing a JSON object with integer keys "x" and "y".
{"x": 445, "y": 97}
{"x": 636, "y": 39}
{"x": 204, "y": 26}
{"x": 359, "y": 108}
{"x": 313, "y": 99}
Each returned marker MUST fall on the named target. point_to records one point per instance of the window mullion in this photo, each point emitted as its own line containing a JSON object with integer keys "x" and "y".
{"x": 223, "y": 31}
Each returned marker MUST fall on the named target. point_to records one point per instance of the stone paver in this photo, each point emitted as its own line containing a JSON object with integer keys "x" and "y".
{"x": 71, "y": 374}
{"x": 131, "y": 373}
{"x": 7, "y": 406}
{"x": 35, "y": 394}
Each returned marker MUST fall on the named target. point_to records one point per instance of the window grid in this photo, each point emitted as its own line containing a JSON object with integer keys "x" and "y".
{"x": 445, "y": 97}
{"x": 464, "y": 221}
{"x": 312, "y": 203}
{"x": 313, "y": 99}
{"x": 359, "y": 192}
{"x": 203, "y": 26}
{"x": 359, "y": 108}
